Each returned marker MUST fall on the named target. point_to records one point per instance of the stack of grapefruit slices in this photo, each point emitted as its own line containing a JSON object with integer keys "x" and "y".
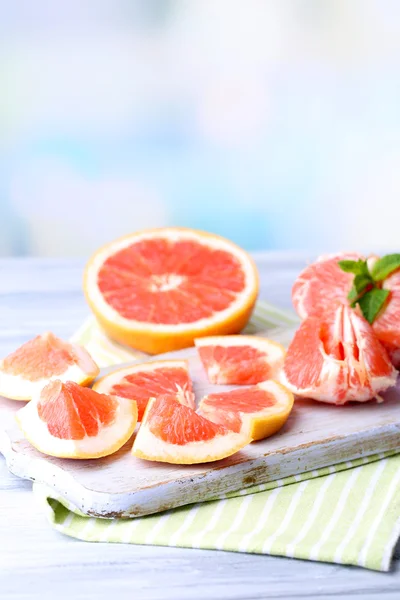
{"x": 173, "y": 431}
{"x": 66, "y": 419}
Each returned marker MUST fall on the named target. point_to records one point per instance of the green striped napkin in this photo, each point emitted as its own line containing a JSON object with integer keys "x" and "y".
{"x": 347, "y": 513}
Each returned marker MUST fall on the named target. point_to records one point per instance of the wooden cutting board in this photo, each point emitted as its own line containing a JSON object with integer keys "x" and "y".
{"x": 316, "y": 435}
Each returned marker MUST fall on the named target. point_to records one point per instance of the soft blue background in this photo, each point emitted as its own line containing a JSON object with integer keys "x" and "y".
{"x": 275, "y": 123}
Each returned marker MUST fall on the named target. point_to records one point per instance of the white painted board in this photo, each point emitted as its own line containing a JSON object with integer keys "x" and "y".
{"x": 316, "y": 435}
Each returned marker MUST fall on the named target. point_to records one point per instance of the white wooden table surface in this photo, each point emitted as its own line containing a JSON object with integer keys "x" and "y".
{"x": 38, "y": 563}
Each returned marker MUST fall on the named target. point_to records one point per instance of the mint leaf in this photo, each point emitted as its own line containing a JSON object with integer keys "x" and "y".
{"x": 385, "y": 266}
{"x": 361, "y": 284}
{"x": 372, "y": 302}
{"x": 358, "y": 267}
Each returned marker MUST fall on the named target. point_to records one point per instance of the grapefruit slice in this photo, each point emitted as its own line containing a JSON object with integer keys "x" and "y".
{"x": 337, "y": 358}
{"x": 70, "y": 421}
{"x": 173, "y": 433}
{"x": 149, "y": 380}
{"x": 240, "y": 359}
{"x": 267, "y": 405}
{"x": 43, "y": 359}
{"x": 322, "y": 285}
{"x": 157, "y": 290}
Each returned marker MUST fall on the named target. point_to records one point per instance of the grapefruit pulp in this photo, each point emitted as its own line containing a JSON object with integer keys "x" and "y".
{"x": 43, "y": 359}
{"x": 173, "y": 433}
{"x": 70, "y": 421}
{"x": 323, "y": 284}
{"x": 267, "y": 406}
{"x": 149, "y": 380}
{"x": 157, "y": 290}
{"x": 337, "y": 358}
{"x": 240, "y": 359}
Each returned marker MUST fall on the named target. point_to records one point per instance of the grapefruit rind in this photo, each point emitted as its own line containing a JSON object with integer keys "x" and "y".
{"x": 264, "y": 423}
{"x": 109, "y": 439}
{"x": 150, "y": 447}
{"x": 156, "y": 338}
{"x": 274, "y": 355}
{"x": 105, "y": 383}
{"x": 16, "y": 387}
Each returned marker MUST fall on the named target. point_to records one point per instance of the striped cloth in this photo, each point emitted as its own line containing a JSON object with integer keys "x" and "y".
{"x": 348, "y": 513}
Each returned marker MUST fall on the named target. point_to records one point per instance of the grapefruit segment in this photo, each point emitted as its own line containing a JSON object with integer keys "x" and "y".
{"x": 387, "y": 324}
{"x": 149, "y": 380}
{"x": 40, "y": 360}
{"x": 322, "y": 285}
{"x": 240, "y": 359}
{"x": 67, "y": 420}
{"x": 337, "y": 358}
{"x": 173, "y": 433}
{"x": 157, "y": 290}
{"x": 265, "y": 406}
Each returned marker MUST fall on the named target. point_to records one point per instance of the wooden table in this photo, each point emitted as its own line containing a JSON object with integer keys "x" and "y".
{"x": 37, "y": 563}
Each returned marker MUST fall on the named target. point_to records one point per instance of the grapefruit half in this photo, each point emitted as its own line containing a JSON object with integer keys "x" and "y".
{"x": 240, "y": 359}
{"x": 70, "y": 421}
{"x": 337, "y": 358}
{"x": 149, "y": 380}
{"x": 157, "y": 290}
{"x": 267, "y": 406}
{"x": 45, "y": 358}
{"x": 173, "y": 433}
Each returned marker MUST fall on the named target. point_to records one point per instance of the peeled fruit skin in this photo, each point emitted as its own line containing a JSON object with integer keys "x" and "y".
{"x": 337, "y": 358}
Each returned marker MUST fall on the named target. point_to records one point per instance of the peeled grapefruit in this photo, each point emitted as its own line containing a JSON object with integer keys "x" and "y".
{"x": 265, "y": 406}
{"x": 149, "y": 380}
{"x": 240, "y": 359}
{"x": 157, "y": 290}
{"x": 323, "y": 284}
{"x": 337, "y": 358}
{"x": 173, "y": 433}
{"x": 43, "y": 359}
{"x": 70, "y": 421}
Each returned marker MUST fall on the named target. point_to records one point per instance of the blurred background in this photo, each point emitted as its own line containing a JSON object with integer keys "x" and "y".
{"x": 273, "y": 122}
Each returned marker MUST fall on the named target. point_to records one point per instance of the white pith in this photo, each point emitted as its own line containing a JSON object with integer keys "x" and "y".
{"x": 164, "y": 283}
{"x": 109, "y": 436}
{"x": 172, "y": 234}
{"x": 15, "y": 386}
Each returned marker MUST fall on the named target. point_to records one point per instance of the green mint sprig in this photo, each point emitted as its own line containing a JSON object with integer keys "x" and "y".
{"x": 367, "y": 289}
